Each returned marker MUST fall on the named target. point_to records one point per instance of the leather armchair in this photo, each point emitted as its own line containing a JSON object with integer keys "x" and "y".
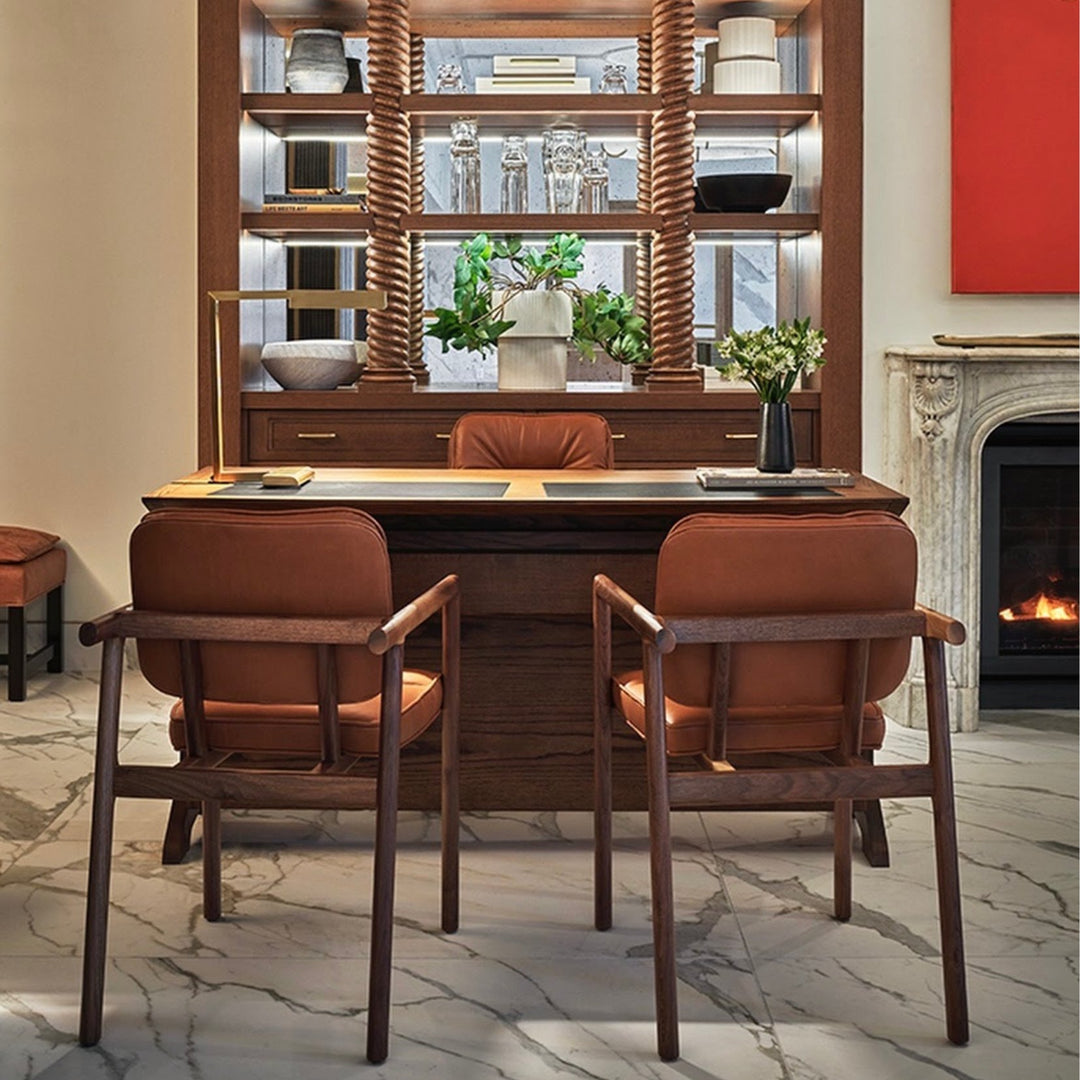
{"x": 276, "y": 630}
{"x": 531, "y": 441}
{"x": 772, "y": 641}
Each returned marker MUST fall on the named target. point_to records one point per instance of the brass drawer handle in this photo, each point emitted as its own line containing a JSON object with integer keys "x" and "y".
{"x": 740, "y": 435}
{"x": 442, "y": 434}
{"x": 316, "y": 434}
{"x": 618, "y": 435}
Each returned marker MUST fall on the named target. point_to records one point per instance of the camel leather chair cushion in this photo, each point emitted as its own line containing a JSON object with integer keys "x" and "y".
{"x": 531, "y": 441}
{"x": 783, "y": 696}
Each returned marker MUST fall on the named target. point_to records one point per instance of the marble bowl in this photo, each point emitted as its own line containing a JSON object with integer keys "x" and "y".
{"x": 316, "y": 364}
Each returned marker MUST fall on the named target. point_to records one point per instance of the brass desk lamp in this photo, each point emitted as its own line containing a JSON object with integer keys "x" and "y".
{"x": 320, "y": 299}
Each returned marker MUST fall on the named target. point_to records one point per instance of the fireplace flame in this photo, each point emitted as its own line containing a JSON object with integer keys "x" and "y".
{"x": 1054, "y": 609}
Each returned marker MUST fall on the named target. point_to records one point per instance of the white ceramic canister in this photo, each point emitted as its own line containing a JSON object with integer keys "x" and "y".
{"x": 316, "y": 63}
{"x": 746, "y": 75}
{"x": 747, "y": 35}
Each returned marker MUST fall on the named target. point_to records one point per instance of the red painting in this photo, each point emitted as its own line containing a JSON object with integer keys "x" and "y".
{"x": 1015, "y": 146}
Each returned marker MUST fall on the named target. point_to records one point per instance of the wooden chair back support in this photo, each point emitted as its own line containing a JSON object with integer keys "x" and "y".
{"x": 777, "y": 616}
{"x": 531, "y": 441}
{"x": 270, "y": 609}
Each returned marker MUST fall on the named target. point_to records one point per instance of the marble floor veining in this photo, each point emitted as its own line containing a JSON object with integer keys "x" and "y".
{"x": 771, "y": 988}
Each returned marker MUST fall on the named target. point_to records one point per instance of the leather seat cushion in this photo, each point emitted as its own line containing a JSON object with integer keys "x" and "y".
{"x": 21, "y": 582}
{"x": 750, "y": 729}
{"x": 18, "y": 544}
{"x": 258, "y": 728}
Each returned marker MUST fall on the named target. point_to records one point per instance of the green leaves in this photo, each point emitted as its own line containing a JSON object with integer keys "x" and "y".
{"x": 601, "y": 318}
{"x": 772, "y": 358}
{"x": 607, "y": 320}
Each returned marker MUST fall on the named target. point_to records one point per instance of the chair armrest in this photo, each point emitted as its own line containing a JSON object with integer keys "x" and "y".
{"x": 403, "y": 622}
{"x": 638, "y": 617}
{"x": 943, "y": 627}
{"x": 104, "y": 626}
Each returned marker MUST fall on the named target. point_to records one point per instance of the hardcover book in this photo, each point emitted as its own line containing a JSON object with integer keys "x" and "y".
{"x": 749, "y": 477}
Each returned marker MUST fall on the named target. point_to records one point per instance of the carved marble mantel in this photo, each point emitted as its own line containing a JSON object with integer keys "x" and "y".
{"x": 941, "y": 404}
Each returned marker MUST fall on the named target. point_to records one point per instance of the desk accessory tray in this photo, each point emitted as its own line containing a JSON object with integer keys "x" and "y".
{"x": 714, "y": 478}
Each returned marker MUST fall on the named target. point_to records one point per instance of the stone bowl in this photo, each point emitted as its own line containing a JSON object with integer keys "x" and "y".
{"x": 742, "y": 193}
{"x": 315, "y": 364}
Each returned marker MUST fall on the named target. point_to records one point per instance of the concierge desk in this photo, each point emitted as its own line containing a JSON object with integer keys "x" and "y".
{"x": 525, "y": 545}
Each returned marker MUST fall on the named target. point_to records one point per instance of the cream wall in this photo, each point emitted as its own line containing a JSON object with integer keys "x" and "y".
{"x": 98, "y": 299}
{"x": 906, "y": 268}
{"x": 97, "y": 272}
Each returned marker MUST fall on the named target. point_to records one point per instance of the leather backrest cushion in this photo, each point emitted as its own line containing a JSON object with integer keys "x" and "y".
{"x": 320, "y": 562}
{"x": 531, "y": 441}
{"x": 728, "y": 564}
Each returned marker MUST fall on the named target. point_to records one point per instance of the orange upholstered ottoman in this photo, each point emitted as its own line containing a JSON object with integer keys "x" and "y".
{"x": 31, "y": 565}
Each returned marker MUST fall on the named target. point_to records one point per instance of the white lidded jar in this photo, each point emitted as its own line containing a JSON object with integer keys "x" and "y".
{"x": 316, "y": 63}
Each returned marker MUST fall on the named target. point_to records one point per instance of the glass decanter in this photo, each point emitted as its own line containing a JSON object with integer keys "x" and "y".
{"x": 464, "y": 167}
{"x": 514, "y": 193}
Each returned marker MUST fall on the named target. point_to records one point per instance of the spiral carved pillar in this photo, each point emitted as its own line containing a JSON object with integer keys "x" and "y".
{"x": 389, "y": 261}
{"x": 672, "y": 195}
{"x": 416, "y": 239}
{"x": 642, "y": 269}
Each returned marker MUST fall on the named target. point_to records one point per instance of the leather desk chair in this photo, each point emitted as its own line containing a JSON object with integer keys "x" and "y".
{"x": 772, "y": 641}
{"x": 531, "y": 441}
{"x": 276, "y": 631}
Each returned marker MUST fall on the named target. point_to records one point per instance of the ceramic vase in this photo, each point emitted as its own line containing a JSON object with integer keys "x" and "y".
{"x": 532, "y": 353}
{"x": 316, "y": 63}
{"x": 776, "y": 438}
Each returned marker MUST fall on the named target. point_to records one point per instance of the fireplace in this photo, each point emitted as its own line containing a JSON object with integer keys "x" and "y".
{"x": 1029, "y": 653}
{"x": 943, "y": 408}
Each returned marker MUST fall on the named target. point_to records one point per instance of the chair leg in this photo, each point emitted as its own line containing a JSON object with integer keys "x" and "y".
{"x": 177, "y": 840}
{"x": 16, "y": 653}
{"x": 101, "y": 833}
{"x": 602, "y": 843}
{"x": 842, "y": 815}
{"x": 211, "y": 854}
{"x": 382, "y": 903}
{"x": 451, "y": 774}
{"x": 54, "y": 628}
{"x": 945, "y": 846}
{"x": 663, "y": 900}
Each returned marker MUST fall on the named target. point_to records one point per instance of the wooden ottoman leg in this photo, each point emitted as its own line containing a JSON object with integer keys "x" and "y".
{"x": 16, "y": 653}
{"x": 54, "y": 628}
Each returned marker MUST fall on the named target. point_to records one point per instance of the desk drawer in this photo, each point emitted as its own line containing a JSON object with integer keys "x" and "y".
{"x": 684, "y": 439}
{"x": 344, "y": 438}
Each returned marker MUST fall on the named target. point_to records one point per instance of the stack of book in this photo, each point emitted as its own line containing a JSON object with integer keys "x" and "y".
{"x": 293, "y": 202}
{"x": 533, "y": 75}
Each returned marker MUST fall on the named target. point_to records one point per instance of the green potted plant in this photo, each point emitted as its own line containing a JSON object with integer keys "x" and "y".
{"x": 532, "y": 307}
{"x": 772, "y": 359}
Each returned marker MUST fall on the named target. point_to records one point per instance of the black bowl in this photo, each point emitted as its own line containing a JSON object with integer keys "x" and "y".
{"x": 742, "y": 193}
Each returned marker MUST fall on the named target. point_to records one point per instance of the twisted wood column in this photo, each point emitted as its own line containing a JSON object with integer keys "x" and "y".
{"x": 416, "y": 239}
{"x": 389, "y": 264}
{"x": 672, "y": 196}
{"x": 643, "y": 276}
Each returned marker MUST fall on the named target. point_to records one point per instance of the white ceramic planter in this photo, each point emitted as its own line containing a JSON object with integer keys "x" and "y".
{"x": 532, "y": 353}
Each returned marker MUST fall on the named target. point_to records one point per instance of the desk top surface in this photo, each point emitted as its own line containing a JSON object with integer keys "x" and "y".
{"x": 405, "y": 490}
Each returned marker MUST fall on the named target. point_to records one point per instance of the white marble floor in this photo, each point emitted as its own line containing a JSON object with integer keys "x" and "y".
{"x": 771, "y": 987}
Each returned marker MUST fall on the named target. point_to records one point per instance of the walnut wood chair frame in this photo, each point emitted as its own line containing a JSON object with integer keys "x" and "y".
{"x": 838, "y": 777}
{"x": 211, "y": 778}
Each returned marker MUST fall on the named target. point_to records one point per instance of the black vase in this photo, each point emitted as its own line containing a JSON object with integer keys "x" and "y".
{"x": 776, "y": 438}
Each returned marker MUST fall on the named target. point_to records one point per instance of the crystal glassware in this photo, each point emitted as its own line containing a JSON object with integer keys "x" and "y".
{"x": 563, "y": 154}
{"x": 595, "y": 179}
{"x": 449, "y": 80}
{"x": 613, "y": 80}
{"x": 514, "y": 193}
{"x": 464, "y": 167}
